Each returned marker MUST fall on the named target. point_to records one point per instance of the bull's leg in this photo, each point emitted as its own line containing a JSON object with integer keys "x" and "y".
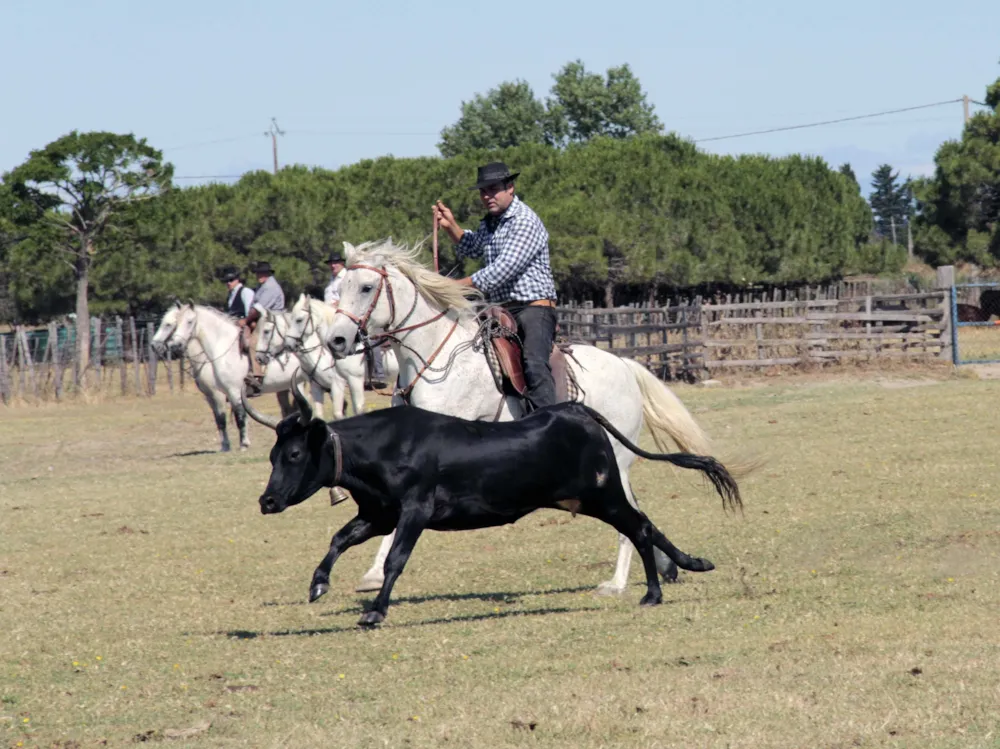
{"x": 408, "y": 530}
{"x": 373, "y": 578}
{"x": 610, "y": 505}
{"x": 617, "y": 584}
{"x": 357, "y": 531}
{"x": 217, "y": 402}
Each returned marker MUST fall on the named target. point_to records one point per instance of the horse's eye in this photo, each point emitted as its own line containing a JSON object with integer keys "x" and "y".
{"x": 367, "y": 288}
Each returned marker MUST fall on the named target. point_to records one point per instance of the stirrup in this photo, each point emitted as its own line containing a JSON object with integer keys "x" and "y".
{"x": 253, "y": 384}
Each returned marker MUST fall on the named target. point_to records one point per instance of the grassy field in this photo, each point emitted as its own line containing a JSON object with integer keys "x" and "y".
{"x": 856, "y": 604}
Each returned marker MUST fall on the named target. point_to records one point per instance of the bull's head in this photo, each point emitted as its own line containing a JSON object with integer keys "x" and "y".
{"x": 305, "y": 457}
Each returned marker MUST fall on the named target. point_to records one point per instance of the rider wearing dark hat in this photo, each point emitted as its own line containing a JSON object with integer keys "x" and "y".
{"x": 269, "y": 296}
{"x": 514, "y": 245}
{"x": 240, "y": 297}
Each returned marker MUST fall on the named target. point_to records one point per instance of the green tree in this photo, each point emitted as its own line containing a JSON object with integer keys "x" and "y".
{"x": 960, "y": 205}
{"x": 592, "y": 105}
{"x": 80, "y": 184}
{"x": 507, "y": 115}
{"x": 891, "y": 202}
{"x": 848, "y": 172}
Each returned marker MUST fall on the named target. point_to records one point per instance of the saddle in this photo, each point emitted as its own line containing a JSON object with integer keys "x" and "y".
{"x": 503, "y": 352}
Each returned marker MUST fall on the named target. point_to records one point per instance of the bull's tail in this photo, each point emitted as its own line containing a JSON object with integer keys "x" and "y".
{"x": 717, "y": 473}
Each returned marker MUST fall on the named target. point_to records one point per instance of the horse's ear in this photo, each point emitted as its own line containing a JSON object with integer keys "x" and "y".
{"x": 349, "y": 252}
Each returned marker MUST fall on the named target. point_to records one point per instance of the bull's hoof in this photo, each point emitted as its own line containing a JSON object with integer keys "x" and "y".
{"x": 651, "y": 599}
{"x": 317, "y": 591}
{"x": 371, "y": 619}
{"x": 369, "y": 583}
{"x": 609, "y": 588}
{"x": 702, "y": 565}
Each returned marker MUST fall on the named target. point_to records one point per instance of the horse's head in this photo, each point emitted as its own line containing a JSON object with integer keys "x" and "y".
{"x": 369, "y": 297}
{"x": 270, "y": 339}
{"x": 175, "y": 329}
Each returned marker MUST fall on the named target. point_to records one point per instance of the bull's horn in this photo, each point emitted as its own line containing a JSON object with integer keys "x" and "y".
{"x": 268, "y": 421}
{"x": 300, "y": 399}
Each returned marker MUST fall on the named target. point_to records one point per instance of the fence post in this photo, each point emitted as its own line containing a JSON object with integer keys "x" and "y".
{"x": 96, "y": 350}
{"x": 945, "y": 282}
{"x": 27, "y": 359}
{"x": 4, "y": 380}
{"x": 57, "y": 373}
{"x": 151, "y": 360}
{"x": 135, "y": 356}
{"x": 120, "y": 333}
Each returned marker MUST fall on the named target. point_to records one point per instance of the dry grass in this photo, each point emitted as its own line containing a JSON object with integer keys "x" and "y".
{"x": 142, "y": 593}
{"x": 979, "y": 342}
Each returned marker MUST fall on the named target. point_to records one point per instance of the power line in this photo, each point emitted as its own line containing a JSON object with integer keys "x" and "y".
{"x": 209, "y": 142}
{"x": 828, "y": 122}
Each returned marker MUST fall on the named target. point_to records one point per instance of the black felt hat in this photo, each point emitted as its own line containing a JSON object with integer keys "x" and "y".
{"x": 489, "y": 174}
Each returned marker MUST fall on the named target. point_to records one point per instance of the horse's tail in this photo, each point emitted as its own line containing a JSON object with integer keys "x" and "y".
{"x": 665, "y": 416}
{"x": 721, "y": 479}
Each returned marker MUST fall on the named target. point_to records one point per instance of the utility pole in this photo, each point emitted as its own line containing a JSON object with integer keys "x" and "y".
{"x": 965, "y": 107}
{"x": 274, "y": 131}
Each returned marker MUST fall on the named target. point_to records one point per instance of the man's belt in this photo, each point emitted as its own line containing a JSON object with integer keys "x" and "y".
{"x": 534, "y": 303}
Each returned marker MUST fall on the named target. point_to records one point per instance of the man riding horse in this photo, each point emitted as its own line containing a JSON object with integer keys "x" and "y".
{"x": 270, "y": 296}
{"x": 514, "y": 245}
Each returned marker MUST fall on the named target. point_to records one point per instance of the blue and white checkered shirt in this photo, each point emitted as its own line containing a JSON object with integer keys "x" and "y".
{"x": 515, "y": 248}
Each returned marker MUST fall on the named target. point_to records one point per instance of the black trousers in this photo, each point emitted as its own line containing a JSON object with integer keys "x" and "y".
{"x": 536, "y": 327}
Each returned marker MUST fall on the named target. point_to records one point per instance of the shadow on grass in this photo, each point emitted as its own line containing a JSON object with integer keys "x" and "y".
{"x": 193, "y": 453}
{"x": 243, "y": 634}
{"x": 495, "y": 597}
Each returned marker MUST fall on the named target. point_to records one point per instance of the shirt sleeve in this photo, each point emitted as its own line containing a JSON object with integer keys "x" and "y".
{"x": 522, "y": 245}
{"x": 472, "y": 242}
{"x": 270, "y": 296}
{"x": 247, "y": 296}
{"x": 330, "y": 295}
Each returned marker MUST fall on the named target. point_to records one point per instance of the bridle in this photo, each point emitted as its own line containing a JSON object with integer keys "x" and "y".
{"x": 390, "y": 333}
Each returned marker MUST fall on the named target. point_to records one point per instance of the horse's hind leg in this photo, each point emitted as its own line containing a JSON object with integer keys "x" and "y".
{"x": 240, "y": 416}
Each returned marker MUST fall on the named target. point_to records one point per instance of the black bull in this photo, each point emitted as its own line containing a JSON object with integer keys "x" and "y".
{"x": 412, "y": 470}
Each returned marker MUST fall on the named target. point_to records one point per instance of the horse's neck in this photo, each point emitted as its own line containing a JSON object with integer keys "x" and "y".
{"x": 434, "y": 341}
{"x": 217, "y": 337}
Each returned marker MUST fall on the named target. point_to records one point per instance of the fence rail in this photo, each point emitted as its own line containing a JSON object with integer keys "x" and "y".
{"x": 688, "y": 339}
{"x": 683, "y": 339}
{"x": 42, "y": 363}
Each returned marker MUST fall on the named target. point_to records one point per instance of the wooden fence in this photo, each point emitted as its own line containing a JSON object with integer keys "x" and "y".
{"x": 42, "y": 363}
{"x": 683, "y": 339}
{"x": 691, "y": 339}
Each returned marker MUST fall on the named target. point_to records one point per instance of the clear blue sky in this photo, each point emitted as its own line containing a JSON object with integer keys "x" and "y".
{"x": 354, "y": 80}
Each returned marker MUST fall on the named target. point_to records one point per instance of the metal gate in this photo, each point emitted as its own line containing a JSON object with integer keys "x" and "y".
{"x": 975, "y": 323}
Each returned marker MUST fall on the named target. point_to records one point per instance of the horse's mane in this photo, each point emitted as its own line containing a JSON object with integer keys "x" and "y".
{"x": 438, "y": 290}
{"x": 217, "y": 313}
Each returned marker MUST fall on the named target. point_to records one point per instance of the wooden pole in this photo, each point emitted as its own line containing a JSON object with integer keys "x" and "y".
{"x": 151, "y": 360}
{"x": 435, "y": 243}
{"x": 56, "y": 360}
{"x": 4, "y": 382}
{"x": 120, "y": 332}
{"x": 135, "y": 356}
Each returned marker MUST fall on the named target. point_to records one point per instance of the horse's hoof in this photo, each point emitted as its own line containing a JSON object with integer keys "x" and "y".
{"x": 317, "y": 591}
{"x": 651, "y": 599}
{"x": 370, "y": 619}
{"x": 225, "y": 449}
{"x": 608, "y": 588}
{"x": 244, "y": 446}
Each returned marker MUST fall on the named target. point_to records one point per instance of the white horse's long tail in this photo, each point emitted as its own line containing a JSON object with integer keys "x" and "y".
{"x": 666, "y": 416}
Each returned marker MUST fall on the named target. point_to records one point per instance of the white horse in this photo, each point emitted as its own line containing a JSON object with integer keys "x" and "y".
{"x": 210, "y": 341}
{"x": 432, "y": 324}
{"x": 316, "y": 360}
